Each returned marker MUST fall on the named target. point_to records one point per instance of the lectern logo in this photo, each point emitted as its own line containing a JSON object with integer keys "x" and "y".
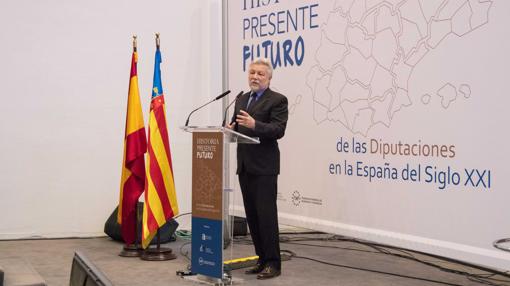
{"x": 296, "y": 198}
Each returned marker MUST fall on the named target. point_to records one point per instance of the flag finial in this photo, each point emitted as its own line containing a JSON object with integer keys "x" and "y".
{"x": 157, "y": 40}
{"x": 134, "y": 43}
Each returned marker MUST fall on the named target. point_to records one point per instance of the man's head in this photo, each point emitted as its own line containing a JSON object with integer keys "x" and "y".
{"x": 260, "y": 73}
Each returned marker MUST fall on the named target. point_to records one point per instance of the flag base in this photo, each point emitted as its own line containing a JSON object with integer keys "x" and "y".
{"x": 131, "y": 250}
{"x": 158, "y": 254}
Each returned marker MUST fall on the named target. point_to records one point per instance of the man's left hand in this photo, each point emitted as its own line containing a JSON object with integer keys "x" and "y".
{"x": 244, "y": 119}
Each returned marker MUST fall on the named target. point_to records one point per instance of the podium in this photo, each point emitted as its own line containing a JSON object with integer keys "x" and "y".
{"x": 209, "y": 202}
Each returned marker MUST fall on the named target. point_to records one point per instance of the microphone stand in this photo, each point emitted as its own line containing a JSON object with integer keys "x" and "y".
{"x": 187, "y": 120}
{"x": 230, "y": 104}
{"x": 214, "y": 99}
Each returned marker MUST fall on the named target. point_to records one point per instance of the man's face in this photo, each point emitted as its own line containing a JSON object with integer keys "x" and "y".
{"x": 258, "y": 77}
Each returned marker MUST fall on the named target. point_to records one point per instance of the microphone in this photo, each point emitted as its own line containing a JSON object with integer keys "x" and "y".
{"x": 222, "y": 95}
{"x": 214, "y": 99}
{"x": 230, "y": 104}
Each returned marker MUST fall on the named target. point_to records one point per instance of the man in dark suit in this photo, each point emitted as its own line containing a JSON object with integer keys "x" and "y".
{"x": 261, "y": 113}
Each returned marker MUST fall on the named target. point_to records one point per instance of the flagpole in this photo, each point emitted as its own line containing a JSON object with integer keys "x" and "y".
{"x": 133, "y": 250}
{"x": 158, "y": 253}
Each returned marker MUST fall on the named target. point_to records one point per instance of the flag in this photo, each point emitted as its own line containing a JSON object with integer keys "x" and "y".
{"x": 160, "y": 199}
{"x": 132, "y": 181}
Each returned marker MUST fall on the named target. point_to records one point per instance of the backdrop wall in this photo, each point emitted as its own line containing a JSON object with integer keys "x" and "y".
{"x": 64, "y": 80}
{"x": 398, "y": 117}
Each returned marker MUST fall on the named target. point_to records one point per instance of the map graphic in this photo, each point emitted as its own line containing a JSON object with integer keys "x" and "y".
{"x": 369, "y": 49}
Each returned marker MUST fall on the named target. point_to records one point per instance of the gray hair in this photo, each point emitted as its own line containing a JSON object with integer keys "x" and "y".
{"x": 265, "y": 62}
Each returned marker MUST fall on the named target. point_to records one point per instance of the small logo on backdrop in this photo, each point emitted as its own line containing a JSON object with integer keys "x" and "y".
{"x": 296, "y": 198}
{"x": 313, "y": 201}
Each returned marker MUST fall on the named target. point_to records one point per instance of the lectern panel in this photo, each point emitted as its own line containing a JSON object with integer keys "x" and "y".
{"x": 207, "y": 184}
{"x": 207, "y": 204}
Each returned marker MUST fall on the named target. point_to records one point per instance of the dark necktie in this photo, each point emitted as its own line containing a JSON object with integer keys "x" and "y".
{"x": 251, "y": 100}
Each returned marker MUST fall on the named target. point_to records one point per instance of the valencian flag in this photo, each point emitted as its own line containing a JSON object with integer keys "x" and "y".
{"x": 160, "y": 199}
{"x": 133, "y": 166}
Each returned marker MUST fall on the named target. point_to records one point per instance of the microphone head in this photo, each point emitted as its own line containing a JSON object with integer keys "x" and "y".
{"x": 222, "y": 95}
{"x": 239, "y": 94}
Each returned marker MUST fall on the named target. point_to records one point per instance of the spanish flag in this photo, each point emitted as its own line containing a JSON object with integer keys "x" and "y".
{"x": 133, "y": 165}
{"x": 160, "y": 199}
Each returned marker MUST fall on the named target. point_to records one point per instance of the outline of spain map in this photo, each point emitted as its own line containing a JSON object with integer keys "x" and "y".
{"x": 369, "y": 49}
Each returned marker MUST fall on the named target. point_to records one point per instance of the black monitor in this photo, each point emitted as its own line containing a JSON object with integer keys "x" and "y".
{"x": 85, "y": 273}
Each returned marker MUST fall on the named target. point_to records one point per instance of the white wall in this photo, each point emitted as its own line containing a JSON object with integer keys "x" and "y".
{"x": 424, "y": 71}
{"x": 64, "y": 81}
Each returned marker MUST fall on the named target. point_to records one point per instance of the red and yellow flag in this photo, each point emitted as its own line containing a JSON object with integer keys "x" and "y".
{"x": 160, "y": 198}
{"x": 133, "y": 165}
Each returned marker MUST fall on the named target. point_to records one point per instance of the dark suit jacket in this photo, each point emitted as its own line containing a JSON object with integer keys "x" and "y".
{"x": 270, "y": 112}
